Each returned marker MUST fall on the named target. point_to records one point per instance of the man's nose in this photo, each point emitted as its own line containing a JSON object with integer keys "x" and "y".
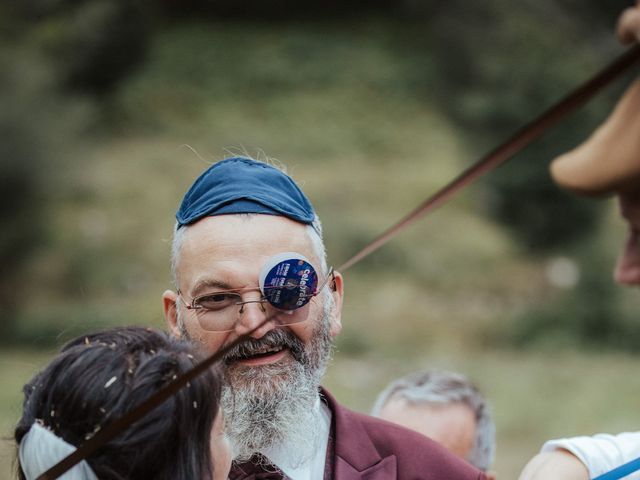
{"x": 254, "y": 319}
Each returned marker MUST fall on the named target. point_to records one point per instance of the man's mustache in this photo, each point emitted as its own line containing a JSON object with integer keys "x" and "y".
{"x": 276, "y": 338}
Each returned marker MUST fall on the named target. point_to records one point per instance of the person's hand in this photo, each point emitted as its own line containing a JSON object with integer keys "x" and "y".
{"x": 628, "y": 29}
{"x": 556, "y": 465}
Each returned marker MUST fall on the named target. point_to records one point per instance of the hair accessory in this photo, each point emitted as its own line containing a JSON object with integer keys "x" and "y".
{"x": 242, "y": 185}
{"x": 41, "y": 449}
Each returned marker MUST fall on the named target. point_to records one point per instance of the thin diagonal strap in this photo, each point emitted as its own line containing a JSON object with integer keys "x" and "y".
{"x": 621, "y": 471}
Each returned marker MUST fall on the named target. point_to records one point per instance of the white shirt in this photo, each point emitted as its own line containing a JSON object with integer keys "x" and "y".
{"x": 313, "y": 469}
{"x": 601, "y": 453}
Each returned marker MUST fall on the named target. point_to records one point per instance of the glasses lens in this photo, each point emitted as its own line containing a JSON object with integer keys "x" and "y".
{"x": 290, "y": 284}
{"x": 217, "y": 301}
{"x": 217, "y": 311}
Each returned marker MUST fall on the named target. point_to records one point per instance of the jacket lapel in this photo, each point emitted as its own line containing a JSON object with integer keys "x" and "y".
{"x": 383, "y": 470}
{"x": 356, "y": 457}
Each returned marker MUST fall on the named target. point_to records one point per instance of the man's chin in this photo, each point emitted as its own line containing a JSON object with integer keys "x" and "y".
{"x": 263, "y": 376}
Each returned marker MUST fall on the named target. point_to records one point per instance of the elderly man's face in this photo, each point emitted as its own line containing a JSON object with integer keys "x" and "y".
{"x": 452, "y": 425}
{"x": 274, "y": 376}
{"x": 228, "y": 251}
{"x": 627, "y": 269}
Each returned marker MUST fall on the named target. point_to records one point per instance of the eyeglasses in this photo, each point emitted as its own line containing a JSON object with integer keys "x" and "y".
{"x": 220, "y": 310}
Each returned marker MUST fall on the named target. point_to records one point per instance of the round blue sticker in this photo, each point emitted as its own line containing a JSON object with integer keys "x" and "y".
{"x": 288, "y": 281}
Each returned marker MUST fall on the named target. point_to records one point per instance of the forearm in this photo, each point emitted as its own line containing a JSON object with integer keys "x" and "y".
{"x": 555, "y": 465}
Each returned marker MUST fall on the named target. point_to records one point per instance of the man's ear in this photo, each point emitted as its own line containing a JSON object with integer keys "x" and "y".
{"x": 169, "y": 304}
{"x": 337, "y": 292}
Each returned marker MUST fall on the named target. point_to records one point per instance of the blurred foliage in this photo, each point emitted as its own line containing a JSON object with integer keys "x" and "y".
{"x": 55, "y": 50}
{"x": 374, "y": 98}
{"x": 36, "y": 124}
{"x": 542, "y": 217}
{"x": 504, "y": 63}
{"x": 91, "y": 44}
{"x": 275, "y": 10}
{"x": 20, "y": 196}
{"x": 589, "y": 315}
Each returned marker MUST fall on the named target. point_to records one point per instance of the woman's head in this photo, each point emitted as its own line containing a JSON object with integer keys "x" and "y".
{"x": 97, "y": 378}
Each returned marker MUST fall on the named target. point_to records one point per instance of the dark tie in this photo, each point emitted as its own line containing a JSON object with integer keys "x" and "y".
{"x": 257, "y": 468}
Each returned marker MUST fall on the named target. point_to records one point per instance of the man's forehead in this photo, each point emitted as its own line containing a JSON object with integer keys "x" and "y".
{"x": 430, "y": 411}
{"x": 244, "y": 235}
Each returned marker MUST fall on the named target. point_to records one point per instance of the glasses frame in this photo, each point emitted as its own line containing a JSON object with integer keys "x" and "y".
{"x": 194, "y": 306}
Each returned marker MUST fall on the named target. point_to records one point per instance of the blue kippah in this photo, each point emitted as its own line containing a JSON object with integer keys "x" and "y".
{"x": 242, "y": 185}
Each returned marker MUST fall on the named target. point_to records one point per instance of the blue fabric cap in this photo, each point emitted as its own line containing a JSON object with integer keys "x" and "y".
{"x": 242, "y": 185}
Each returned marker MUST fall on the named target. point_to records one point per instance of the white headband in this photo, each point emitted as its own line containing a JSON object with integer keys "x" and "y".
{"x": 40, "y": 449}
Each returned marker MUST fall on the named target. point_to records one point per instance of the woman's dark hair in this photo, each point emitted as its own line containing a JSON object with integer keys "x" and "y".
{"x": 99, "y": 377}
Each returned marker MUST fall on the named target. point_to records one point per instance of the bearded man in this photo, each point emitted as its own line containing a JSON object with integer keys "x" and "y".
{"x": 248, "y": 259}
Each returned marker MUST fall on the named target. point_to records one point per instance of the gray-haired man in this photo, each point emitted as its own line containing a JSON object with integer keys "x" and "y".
{"x": 248, "y": 260}
{"x": 446, "y": 407}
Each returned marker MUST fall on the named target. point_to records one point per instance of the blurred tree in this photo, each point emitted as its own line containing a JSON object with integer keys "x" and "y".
{"x": 588, "y": 315}
{"x": 280, "y": 10}
{"x": 39, "y": 132}
{"x": 498, "y": 65}
{"x": 21, "y": 215}
{"x": 55, "y": 48}
{"x": 542, "y": 217}
{"x": 93, "y": 44}
{"x": 494, "y": 65}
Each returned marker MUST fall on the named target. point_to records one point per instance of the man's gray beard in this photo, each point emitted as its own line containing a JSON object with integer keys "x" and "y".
{"x": 272, "y": 406}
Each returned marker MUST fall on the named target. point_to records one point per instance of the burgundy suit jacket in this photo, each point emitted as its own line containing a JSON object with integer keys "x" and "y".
{"x": 367, "y": 448}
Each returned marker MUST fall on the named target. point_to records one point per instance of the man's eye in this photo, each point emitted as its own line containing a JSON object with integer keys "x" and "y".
{"x": 217, "y": 301}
